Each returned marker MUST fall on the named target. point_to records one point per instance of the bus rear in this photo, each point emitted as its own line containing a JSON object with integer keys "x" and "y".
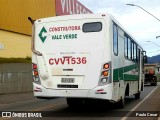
{"x": 68, "y": 57}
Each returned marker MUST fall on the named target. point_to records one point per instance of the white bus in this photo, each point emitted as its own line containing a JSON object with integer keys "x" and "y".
{"x": 83, "y": 57}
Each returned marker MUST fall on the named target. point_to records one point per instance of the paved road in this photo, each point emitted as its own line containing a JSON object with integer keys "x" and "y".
{"x": 58, "y": 109}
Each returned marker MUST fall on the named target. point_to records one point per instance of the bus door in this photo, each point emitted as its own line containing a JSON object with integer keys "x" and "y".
{"x": 121, "y": 61}
{"x": 140, "y": 68}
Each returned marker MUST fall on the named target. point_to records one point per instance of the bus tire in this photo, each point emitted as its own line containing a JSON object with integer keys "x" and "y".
{"x": 153, "y": 84}
{"x": 121, "y": 103}
{"x": 137, "y": 95}
{"x": 74, "y": 102}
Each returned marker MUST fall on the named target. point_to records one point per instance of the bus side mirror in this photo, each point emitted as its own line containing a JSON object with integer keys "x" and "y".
{"x": 145, "y": 59}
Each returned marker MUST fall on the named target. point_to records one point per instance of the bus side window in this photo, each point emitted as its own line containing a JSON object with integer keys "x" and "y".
{"x": 139, "y": 52}
{"x": 135, "y": 52}
{"x": 115, "y": 39}
{"x": 126, "y": 46}
{"x": 132, "y": 49}
{"x": 129, "y": 48}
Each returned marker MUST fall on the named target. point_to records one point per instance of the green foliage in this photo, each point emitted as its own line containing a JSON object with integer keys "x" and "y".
{"x": 15, "y": 60}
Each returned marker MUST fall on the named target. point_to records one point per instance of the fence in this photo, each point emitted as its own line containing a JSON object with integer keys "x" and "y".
{"x": 15, "y": 78}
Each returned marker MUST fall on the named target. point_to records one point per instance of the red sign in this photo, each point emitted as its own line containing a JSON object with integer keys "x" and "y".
{"x": 66, "y": 28}
{"x": 69, "y": 7}
{"x": 67, "y": 60}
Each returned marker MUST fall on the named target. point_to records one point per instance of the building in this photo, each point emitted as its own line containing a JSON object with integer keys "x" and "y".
{"x": 15, "y": 28}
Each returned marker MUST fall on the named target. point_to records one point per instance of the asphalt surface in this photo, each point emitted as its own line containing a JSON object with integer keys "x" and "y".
{"x": 13, "y": 98}
{"x": 150, "y": 106}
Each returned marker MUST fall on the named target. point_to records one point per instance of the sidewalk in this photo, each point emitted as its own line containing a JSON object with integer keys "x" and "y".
{"x": 12, "y": 98}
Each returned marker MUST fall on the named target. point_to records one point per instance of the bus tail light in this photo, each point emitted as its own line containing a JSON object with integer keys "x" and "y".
{"x": 104, "y": 80}
{"x": 105, "y": 74}
{"x": 100, "y": 91}
{"x": 106, "y": 66}
{"x": 35, "y": 73}
{"x": 34, "y": 66}
{"x": 37, "y": 89}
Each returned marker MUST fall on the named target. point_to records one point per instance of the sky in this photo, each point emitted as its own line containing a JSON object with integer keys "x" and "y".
{"x": 142, "y": 26}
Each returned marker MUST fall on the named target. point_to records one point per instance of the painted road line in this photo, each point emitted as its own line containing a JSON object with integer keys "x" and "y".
{"x": 125, "y": 117}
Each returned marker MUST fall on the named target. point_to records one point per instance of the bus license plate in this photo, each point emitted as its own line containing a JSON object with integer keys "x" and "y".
{"x": 67, "y": 80}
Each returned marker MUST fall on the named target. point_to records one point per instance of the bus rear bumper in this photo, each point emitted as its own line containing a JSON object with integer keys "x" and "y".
{"x": 96, "y": 93}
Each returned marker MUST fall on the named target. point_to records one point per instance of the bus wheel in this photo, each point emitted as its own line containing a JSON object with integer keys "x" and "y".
{"x": 74, "y": 102}
{"x": 153, "y": 84}
{"x": 137, "y": 95}
{"x": 121, "y": 103}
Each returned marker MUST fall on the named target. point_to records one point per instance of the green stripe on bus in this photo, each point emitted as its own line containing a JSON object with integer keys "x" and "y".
{"x": 120, "y": 73}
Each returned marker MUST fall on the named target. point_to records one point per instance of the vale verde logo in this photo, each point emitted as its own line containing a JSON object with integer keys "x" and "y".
{"x": 41, "y": 34}
{"x": 56, "y": 33}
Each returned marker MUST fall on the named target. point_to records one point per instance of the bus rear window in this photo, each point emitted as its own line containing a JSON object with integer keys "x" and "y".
{"x": 92, "y": 27}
